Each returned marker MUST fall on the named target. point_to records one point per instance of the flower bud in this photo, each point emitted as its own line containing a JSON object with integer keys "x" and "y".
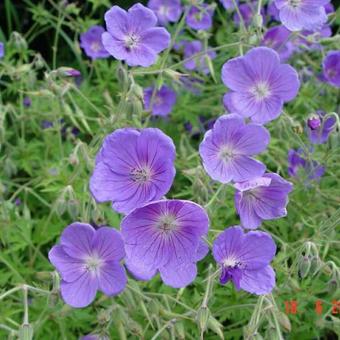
{"x": 304, "y": 265}
{"x": 18, "y": 40}
{"x": 314, "y": 122}
{"x": 284, "y": 321}
{"x": 202, "y": 318}
{"x": 215, "y": 326}
{"x": 258, "y": 20}
{"x": 25, "y": 332}
{"x": 122, "y": 77}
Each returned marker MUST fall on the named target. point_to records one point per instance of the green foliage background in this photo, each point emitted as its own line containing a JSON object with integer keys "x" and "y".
{"x": 49, "y": 169}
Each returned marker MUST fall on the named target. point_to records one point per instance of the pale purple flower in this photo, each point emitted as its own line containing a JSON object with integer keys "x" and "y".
{"x": 91, "y": 43}
{"x": 159, "y": 102}
{"x": 319, "y": 128}
{"x": 228, "y": 4}
{"x": 2, "y": 50}
{"x": 244, "y": 259}
{"x": 165, "y": 236}
{"x": 132, "y": 35}
{"x": 133, "y": 167}
{"x": 200, "y": 17}
{"x": 277, "y": 38}
{"x": 259, "y": 84}
{"x": 297, "y": 15}
{"x": 311, "y": 169}
{"x": 331, "y": 68}
{"x": 263, "y": 198}
{"x": 199, "y": 63}
{"x": 166, "y": 10}
{"x": 94, "y": 337}
{"x": 227, "y": 149}
{"x": 88, "y": 260}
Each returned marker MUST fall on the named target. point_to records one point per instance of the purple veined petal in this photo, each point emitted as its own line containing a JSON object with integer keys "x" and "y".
{"x": 69, "y": 268}
{"x": 258, "y": 282}
{"x": 202, "y": 251}
{"x": 314, "y": 17}
{"x": 235, "y": 75}
{"x": 261, "y": 62}
{"x": 159, "y": 102}
{"x": 141, "y": 17}
{"x": 251, "y": 184}
{"x": 267, "y": 109}
{"x": 108, "y": 244}
{"x": 241, "y": 103}
{"x": 253, "y": 140}
{"x": 112, "y": 278}
{"x": 245, "y": 208}
{"x": 285, "y": 83}
{"x": 114, "y": 46}
{"x": 228, "y": 244}
{"x": 116, "y": 22}
{"x": 139, "y": 270}
{"x": 141, "y": 55}
{"x": 258, "y": 250}
{"x": 227, "y": 102}
{"x": 246, "y": 168}
{"x": 156, "y": 38}
{"x": 178, "y": 276}
{"x": 79, "y": 293}
{"x": 76, "y": 240}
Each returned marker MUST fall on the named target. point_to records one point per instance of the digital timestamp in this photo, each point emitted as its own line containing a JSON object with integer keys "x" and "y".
{"x": 291, "y": 307}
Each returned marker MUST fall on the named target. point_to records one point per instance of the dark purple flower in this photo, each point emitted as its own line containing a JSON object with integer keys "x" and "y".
{"x": 166, "y": 10}
{"x": 88, "y": 260}
{"x": 200, "y": 62}
{"x": 312, "y": 170}
{"x": 227, "y": 149}
{"x": 247, "y": 12}
{"x": 319, "y": 128}
{"x": 27, "y": 102}
{"x": 272, "y": 11}
{"x": 165, "y": 236}
{"x": 245, "y": 259}
{"x": 259, "y": 84}
{"x": 46, "y": 124}
{"x": 91, "y": 43}
{"x": 277, "y": 38}
{"x": 2, "y": 50}
{"x": 17, "y": 201}
{"x": 71, "y": 72}
{"x": 297, "y": 15}
{"x": 159, "y": 102}
{"x": 263, "y": 198}
{"x": 133, "y": 37}
{"x": 228, "y": 4}
{"x": 329, "y": 8}
{"x": 331, "y": 68}
{"x": 133, "y": 167}
{"x": 200, "y": 17}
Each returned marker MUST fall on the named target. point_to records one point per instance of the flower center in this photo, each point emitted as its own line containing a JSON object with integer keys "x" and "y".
{"x": 261, "y": 90}
{"x": 225, "y": 153}
{"x": 95, "y": 46}
{"x": 230, "y": 263}
{"x": 131, "y": 41}
{"x": 314, "y": 123}
{"x": 167, "y": 223}
{"x": 294, "y": 3}
{"x": 163, "y": 10}
{"x": 141, "y": 175}
{"x": 93, "y": 263}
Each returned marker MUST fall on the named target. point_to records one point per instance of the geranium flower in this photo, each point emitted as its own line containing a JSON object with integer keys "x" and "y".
{"x": 159, "y": 102}
{"x": 331, "y": 68}
{"x": 319, "y": 127}
{"x": 200, "y": 17}
{"x": 166, "y": 10}
{"x": 91, "y": 43}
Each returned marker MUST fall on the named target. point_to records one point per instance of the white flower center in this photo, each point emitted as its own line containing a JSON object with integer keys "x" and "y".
{"x": 225, "y": 153}
{"x": 131, "y": 41}
{"x": 261, "y": 90}
{"x": 93, "y": 263}
{"x": 141, "y": 175}
{"x": 167, "y": 223}
{"x": 95, "y": 46}
{"x": 163, "y": 10}
{"x": 229, "y": 262}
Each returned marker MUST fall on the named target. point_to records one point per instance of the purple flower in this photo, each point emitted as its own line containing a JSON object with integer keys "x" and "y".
{"x": 272, "y": 11}
{"x": 17, "y": 201}
{"x": 200, "y": 62}
{"x": 245, "y": 259}
{"x": 329, "y": 8}
{"x": 319, "y": 128}
{"x": 2, "y": 50}
{"x": 247, "y": 12}
{"x": 70, "y": 72}
{"x": 277, "y": 38}
{"x": 263, "y": 198}
{"x": 159, "y": 102}
{"x": 259, "y": 84}
{"x": 166, "y": 10}
{"x": 94, "y": 337}
{"x": 165, "y": 236}
{"x": 228, "y": 4}
{"x": 200, "y": 17}
{"x": 27, "y": 102}
{"x": 91, "y": 43}
{"x": 227, "y": 149}
{"x": 331, "y": 68}
{"x": 133, "y": 37}
{"x": 133, "y": 167}
{"x": 88, "y": 260}
{"x": 296, "y": 162}
{"x": 297, "y": 15}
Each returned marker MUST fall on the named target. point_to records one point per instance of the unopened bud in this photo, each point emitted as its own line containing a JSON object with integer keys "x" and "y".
{"x": 215, "y": 326}
{"x": 314, "y": 122}
{"x": 18, "y": 41}
{"x": 137, "y": 91}
{"x": 304, "y": 265}
{"x": 26, "y": 332}
{"x": 202, "y": 318}
{"x": 122, "y": 77}
{"x": 284, "y": 321}
{"x": 258, "y": 20}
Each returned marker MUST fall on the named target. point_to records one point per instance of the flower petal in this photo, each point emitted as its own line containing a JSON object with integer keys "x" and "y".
{"x": 258, "y": 282}
{"x": 112, "y": 278}
{"x": 179, "y": 276}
